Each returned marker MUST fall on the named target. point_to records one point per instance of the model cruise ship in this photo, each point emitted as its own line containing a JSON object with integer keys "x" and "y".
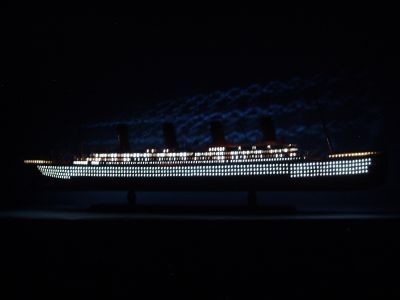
{"x": 268, "y": 165}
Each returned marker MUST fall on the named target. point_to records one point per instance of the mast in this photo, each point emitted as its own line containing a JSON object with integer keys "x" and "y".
{"x": 324, "y": 128}
{"x": 123, "y": 138}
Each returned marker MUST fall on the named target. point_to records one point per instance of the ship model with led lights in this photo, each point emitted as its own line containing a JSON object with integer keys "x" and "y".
{"x": 268, "y": 165}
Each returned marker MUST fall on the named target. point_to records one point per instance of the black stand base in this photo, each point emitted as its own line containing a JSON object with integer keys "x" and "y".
{"x": 252, "y": 199}
{"x": 131, "y": 198}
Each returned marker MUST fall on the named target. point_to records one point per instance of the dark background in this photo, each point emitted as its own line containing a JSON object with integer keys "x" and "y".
{"x": 62, "y": 73}
{"x": 69, "y": 72}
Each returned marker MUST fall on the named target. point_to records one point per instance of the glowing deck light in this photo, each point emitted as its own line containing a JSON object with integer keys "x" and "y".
{"x": 37, "y": 161}
{"x": 352, "y": 154}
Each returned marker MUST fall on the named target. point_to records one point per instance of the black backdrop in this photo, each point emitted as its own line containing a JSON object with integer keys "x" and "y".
{"x": 63, "y": 72}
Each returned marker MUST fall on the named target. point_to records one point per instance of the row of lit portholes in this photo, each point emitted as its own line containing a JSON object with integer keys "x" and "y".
{"x": 232, "y": 170}
{"x": 335, "y": 168}
{"x": 296, "y": 170}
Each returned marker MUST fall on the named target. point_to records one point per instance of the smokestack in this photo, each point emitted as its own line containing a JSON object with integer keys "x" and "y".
{"x": 123, "y": 139}
{"x": 268, "y": 129}
{"x": 170, "y": 136}
{"x": 217, "y": 134}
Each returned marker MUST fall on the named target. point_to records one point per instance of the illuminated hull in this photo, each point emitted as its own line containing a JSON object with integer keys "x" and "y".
{"x": 303, "y": 174}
